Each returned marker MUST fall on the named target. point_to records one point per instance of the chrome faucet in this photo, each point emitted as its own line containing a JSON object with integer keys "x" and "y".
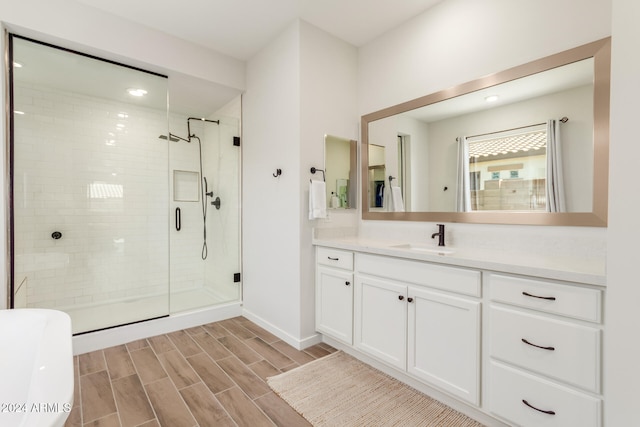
{"x": 440, "y": 235}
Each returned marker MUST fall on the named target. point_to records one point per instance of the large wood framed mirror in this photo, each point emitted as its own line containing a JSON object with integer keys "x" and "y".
{"x": 527, "y": 145}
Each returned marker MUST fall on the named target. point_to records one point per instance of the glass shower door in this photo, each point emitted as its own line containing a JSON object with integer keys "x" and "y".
{"x": 205, "y": 232}
{"x": 90, "y": 192}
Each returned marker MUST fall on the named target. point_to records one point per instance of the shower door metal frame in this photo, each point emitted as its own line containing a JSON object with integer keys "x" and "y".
{"x": 9, "y": 150}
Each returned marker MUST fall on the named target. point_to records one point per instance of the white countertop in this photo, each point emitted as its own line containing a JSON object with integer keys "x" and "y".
{"x": 572, "y": 269}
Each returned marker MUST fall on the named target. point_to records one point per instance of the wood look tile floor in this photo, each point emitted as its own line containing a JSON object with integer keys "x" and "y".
{"x": 210, "y": 375}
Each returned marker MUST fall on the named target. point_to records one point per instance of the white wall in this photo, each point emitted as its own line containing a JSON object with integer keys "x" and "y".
{"x": 460, "y": 40}
{"x": 100, "y": 180}
{"x": 300, "y": 87}
{"x": 271, "y": 217}
{"x": 622, "y": 348}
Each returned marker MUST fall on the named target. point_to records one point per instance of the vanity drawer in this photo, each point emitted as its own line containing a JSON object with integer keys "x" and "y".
{"x": 569, "y": 353}
{"x": 459, "y": 280}
{"x": 565, "y": 300}
{"x": 335, "y": 258}
{"x": 510, "y": 388}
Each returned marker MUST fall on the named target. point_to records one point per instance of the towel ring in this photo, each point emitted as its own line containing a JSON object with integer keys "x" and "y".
{"x": 314, "y": 170}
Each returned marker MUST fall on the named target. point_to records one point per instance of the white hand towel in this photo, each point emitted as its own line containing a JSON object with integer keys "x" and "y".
{"x": 317, "y": 200}
{"x": 398, "y": 203}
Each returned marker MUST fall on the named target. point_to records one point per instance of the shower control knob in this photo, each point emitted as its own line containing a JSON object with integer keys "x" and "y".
{"x": 56, "y": 235}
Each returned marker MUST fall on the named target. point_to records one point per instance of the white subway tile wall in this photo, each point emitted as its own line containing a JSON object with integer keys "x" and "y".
{"x": 96, "y": 172}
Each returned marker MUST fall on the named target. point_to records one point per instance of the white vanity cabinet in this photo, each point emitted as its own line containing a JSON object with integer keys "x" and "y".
{"x": 545, "y": 346}
{"x": 334, "y": 293}
{"x": 405, "y": 316}
{"x": 520, "y": 349}
{"x": 444, "y": 342}
{"x": 381, "y": 319}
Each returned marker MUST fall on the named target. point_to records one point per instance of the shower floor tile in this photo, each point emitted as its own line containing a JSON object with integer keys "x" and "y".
{"x": 205, "y": 376}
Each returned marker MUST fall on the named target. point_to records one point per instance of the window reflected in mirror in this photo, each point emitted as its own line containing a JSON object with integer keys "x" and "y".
{"x": 518, "y": 170}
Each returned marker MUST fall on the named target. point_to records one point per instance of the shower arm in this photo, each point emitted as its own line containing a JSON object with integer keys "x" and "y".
{"x": 202, "y": 119}
{"x": 189, "y": 134}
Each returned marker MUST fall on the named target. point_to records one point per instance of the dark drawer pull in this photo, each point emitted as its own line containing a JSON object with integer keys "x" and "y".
{"x": 539, "y": 410}
{"x": 538, "y": 346}
{"x": 401, "y": 297}
{"x": 536, "y": 296}
{"x": 347, "y": 283}
{"x": 333, "y": 259}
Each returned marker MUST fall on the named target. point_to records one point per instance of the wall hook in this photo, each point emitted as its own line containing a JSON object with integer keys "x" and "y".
{"x": 277, "y": 173}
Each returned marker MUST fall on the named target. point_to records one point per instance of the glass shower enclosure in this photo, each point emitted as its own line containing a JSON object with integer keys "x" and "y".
{"x": 108, "y": 211}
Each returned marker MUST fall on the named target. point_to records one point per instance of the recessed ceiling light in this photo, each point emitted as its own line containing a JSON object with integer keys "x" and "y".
{"x": 491, "y": 98}
{"x": 136, "y": 92}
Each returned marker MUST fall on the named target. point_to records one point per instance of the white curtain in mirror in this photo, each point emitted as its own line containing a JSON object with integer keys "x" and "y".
{"x": 463, "y": 196}
{"x": 555, "y": 184}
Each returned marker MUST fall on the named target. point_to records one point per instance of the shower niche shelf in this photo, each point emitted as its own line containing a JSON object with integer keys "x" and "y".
{"x": 186, "y": 186}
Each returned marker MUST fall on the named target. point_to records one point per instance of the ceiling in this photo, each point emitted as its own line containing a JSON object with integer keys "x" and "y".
{"x": 240, "y": 28}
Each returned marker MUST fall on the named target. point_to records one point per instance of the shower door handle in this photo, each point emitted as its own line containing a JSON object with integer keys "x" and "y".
{"x": 178, "y": 219}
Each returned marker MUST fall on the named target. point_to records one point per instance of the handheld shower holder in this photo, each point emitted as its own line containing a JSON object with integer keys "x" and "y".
{"x": 216, "y": 202}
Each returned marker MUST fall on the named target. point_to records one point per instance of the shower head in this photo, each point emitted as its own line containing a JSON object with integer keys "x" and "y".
{"x": 171, "y": 138}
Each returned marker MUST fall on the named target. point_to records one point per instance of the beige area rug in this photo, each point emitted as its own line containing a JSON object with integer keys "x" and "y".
{"x": 339, "y": 390}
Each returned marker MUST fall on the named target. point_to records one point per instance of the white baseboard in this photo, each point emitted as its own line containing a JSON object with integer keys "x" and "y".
{"x": 297, "y": 343}
{"x": 123, "y": 334}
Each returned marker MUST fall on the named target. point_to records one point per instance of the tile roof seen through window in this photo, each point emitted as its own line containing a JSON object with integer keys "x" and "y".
{"x": 510, "y": 144}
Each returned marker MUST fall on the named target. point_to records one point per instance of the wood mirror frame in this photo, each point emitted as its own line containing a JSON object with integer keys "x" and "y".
{"x": 600, "y": 51}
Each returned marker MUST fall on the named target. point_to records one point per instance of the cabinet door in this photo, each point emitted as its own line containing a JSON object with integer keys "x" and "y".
{"x": 381, "y": 319}
{"x": 444, "y": 342}
{"x": 334, "y": 304}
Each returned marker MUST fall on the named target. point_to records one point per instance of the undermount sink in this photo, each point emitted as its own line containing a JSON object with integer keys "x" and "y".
{"x": 424, "y": 248}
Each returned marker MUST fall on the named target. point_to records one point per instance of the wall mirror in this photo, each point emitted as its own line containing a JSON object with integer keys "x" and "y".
{"x": 528, "y": 145}
{"x": 340, "y": 159}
